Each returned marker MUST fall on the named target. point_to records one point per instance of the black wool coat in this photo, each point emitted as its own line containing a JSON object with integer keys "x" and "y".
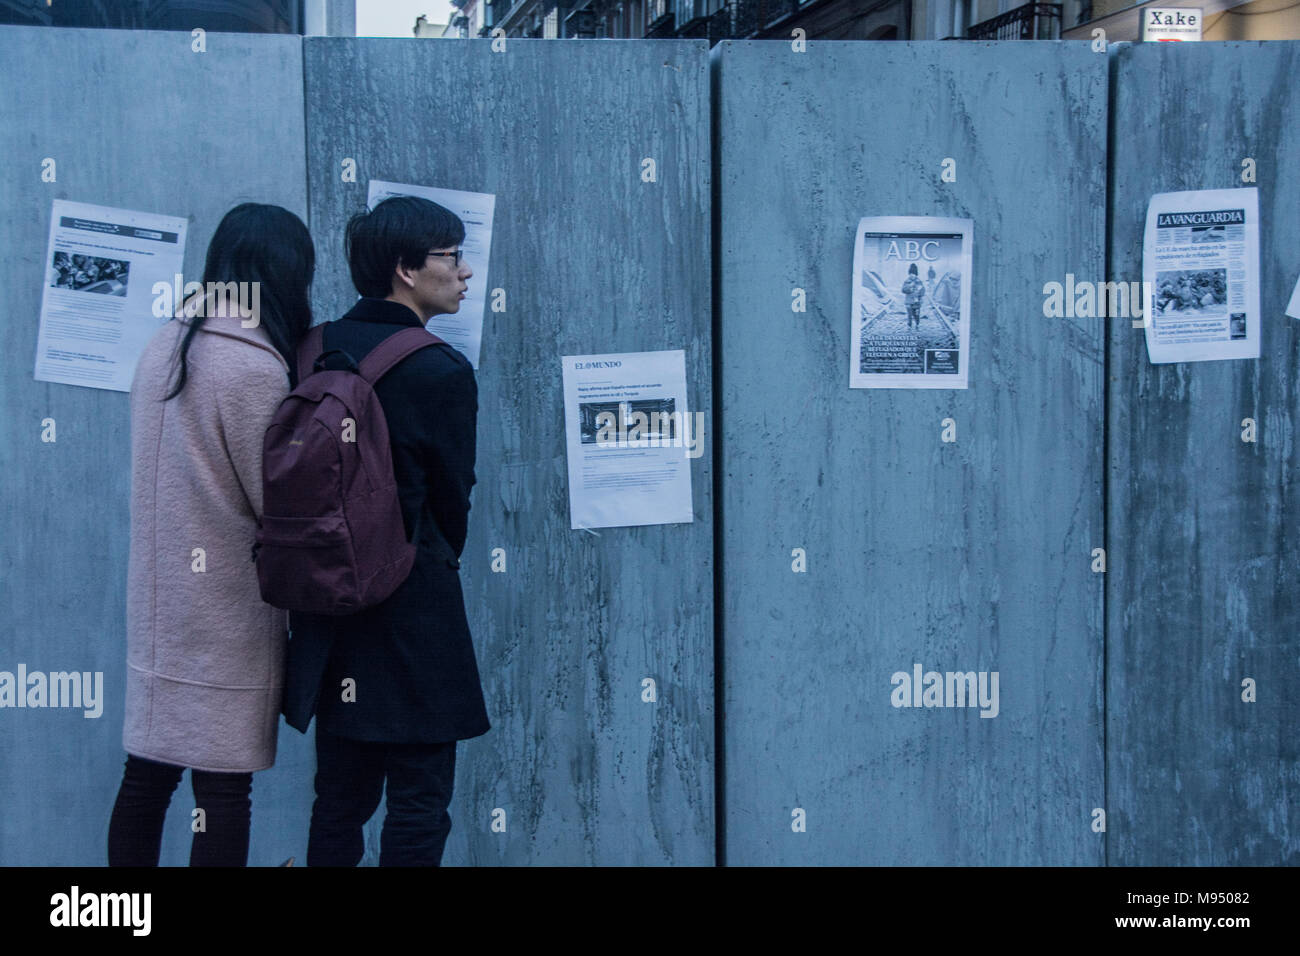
{"x": 411, "y": 656}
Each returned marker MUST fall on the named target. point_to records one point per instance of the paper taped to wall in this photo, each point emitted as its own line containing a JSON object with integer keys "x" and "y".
{"x": 98, "y": 308}
{"x": 1200, "y": 273}
{"x": 911, "y": 302}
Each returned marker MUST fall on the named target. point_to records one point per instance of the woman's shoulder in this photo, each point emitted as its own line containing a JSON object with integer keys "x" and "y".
{"x": 235, "y": 352}
{"x": 163, "y": 339}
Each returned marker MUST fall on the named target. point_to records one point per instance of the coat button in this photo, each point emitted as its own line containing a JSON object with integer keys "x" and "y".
{"x": 453, "y": 562}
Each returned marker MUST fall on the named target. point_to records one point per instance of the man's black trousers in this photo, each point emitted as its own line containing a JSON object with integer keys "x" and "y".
{"x": 350, "y": 779}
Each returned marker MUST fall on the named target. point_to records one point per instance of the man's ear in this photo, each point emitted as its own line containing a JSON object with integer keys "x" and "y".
{"x": 403, "y": 277}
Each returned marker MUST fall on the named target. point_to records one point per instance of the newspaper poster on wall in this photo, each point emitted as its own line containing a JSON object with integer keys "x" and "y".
{"x": 98, "y": 301}
{"x": 1293, "y": 307}
{"x": 462, "y": 330}
{"x": 911, "y": 302}
{"x": 630, "y": 439}
{"x": 1200, "y": 273}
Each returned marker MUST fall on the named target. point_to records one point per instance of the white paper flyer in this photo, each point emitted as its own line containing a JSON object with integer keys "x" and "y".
{"x": 97, "y": 308}
{"x": 911, "y": 302}
{"x": 1200, "y": 269}
{"x": 1293, "y": 307}
{"x": 630, "y": 439}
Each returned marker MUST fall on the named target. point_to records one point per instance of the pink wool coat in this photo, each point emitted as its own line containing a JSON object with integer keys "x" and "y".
{"x": 205, "y": 654}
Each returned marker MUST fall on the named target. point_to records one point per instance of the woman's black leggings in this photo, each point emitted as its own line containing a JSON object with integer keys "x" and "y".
{"x": 135, "y": 830}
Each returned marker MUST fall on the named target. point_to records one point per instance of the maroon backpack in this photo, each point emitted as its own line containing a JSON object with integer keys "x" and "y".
{"x": 331, "y": 539}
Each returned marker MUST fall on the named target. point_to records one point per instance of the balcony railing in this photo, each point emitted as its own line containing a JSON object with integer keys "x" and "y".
{"x": 500, "y": 10}
{"x": 713, "y": 27}
{"x": 580, "y": 24}
{"x": 1033, "y": 21}
{"x": 751, "y": 16}
{"x": 735, "y": 19}
{"x": 661, "y": 29}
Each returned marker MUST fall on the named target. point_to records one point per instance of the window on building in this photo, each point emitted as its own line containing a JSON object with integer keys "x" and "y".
{"x": 961, "y": 17}
{"x": 654, "y": 9}
{"x": 938, "y": 19}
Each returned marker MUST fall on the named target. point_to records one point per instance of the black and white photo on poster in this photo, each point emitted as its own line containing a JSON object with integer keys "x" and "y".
{"x": 911, "y": 302}
{"x": 630, "y": 439}
{"x": 1200, "y": 269}
{"x": 105, "y": 268}
{"x": 96, "y": 274}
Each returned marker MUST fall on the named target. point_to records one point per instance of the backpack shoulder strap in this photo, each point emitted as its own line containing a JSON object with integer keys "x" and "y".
{"x": 393, "y": 349}
{"x": 309, "y": 349}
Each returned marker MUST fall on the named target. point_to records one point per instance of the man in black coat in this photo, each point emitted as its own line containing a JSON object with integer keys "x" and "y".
{"x": 395, "y": 686}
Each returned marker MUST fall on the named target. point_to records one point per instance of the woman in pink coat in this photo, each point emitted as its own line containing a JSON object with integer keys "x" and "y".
{"x": 205, "y": 654}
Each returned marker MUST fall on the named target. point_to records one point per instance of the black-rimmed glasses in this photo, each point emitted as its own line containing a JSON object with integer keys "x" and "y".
{"x": 457, "y": 254}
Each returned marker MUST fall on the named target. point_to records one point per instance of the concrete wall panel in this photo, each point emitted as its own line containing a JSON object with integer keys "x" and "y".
{"x": 592, "y": 259}
{"x": 133, "y": 119}
{"x": 965, "y": 556}
{"x": 1205, "y": 565}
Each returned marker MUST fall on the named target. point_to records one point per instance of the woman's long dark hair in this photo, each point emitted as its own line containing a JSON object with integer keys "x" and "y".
{"x": 269, "y": 245}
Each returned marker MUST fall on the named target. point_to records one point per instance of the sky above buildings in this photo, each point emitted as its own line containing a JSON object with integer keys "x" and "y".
{"x": 395, "y": 18}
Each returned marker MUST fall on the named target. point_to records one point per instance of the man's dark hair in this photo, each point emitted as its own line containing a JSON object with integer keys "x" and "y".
{"x": 401, "y": 229}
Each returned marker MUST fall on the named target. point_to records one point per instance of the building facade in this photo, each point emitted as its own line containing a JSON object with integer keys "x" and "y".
{"x": 229, "y": 16}
{"x": 862, "y": 19}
